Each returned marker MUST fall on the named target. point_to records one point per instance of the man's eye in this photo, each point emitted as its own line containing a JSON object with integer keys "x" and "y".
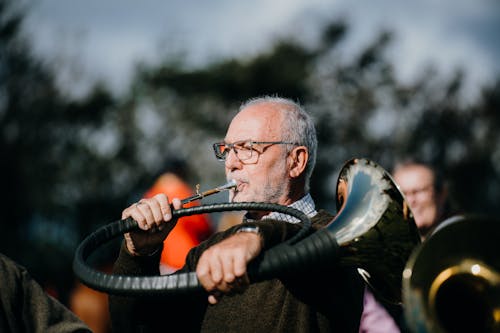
{"x": 244, "y": 147}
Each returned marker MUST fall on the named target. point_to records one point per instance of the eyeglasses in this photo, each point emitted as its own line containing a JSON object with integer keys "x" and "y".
{"x": 417, "y": 191}
{"x": 244, "y": 149}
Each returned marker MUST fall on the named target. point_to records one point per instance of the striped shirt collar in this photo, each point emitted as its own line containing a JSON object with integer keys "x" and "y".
{"x": 305, "y": 205}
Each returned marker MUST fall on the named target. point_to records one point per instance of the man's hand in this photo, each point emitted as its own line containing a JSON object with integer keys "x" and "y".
{"x": 222, "y": 268}
{"x": 154, "y": 217}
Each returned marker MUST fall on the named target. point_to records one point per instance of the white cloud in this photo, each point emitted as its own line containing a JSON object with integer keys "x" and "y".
{"x": 105, "y": 38}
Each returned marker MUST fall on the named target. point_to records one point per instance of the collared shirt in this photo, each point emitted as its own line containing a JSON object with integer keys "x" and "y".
{"x": 305, "y": 205}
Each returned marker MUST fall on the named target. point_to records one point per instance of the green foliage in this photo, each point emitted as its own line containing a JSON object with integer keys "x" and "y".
{"x": 53, "y": 178}
{"x": 281, "y": 71}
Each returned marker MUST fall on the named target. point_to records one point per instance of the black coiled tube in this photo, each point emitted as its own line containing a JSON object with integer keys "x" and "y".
{"x": 280, "y": 258}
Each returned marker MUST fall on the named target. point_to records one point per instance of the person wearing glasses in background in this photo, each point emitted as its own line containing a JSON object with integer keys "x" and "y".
{"x": 270, "y": 151}
{"x": 426, "y": 192}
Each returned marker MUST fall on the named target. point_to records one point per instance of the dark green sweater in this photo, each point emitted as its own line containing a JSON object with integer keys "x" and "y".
{"x": 325, "y": 299}
{"x": 25, "y": 307}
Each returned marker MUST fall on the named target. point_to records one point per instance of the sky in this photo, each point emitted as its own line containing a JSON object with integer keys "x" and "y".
{"x": 103, "y": 40}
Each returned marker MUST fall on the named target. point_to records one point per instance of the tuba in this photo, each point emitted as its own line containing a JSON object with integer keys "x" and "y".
{"x": 452, "y": 280}
{"x": 374, "y": 231}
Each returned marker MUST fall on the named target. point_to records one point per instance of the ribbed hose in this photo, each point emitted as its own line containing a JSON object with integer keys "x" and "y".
{"x": 279, "y": 260}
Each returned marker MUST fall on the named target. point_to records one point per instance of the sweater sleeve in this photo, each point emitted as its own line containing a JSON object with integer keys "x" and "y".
{"x": 129, "y": 264}
{"x": 273, "y": 233}
{"x": 128, "y": 313}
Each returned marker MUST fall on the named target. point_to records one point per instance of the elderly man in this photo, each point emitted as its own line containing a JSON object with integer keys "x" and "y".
{"x": 269, "y": 150}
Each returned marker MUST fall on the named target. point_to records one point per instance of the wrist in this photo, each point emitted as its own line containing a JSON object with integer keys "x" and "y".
{"x": 146, "y": 251}
{"x": 251, "y": 229}
{"x": 149, "y": 252}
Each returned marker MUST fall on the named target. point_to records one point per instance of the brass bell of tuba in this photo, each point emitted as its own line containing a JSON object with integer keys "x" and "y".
{"x": 452, "y": 280}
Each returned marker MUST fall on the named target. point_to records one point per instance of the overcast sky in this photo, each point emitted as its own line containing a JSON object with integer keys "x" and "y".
{"x": 103, "y": 39}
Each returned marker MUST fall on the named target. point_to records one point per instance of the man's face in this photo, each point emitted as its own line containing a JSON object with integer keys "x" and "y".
{"x": 265, "y": 178}
{"x": 417, "y": 183}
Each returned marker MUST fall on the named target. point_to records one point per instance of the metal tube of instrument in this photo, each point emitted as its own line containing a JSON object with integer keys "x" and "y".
{"x": 229, "y": 185}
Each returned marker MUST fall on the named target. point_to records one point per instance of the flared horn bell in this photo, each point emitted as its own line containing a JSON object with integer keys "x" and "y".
{"x": 374, "y": 227}
{"x": 373, "y": 231}
{"x": 452, "y": 280}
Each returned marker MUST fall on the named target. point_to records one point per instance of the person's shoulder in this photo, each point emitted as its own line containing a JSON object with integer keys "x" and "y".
{"x": 9, "y": 265}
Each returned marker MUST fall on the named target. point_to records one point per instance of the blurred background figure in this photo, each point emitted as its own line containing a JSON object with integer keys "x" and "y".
{"x": 376, "y": 318}
{"x": 91, "y": 306}
{"x": 26, "y": 307}
{"x": 190, "y": 230}
{"x": 427, "y": 195}
{"x": 426, "y": 192}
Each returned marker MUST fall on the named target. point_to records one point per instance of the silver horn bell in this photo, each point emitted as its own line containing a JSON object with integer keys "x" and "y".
{"x": 374, "y": 227}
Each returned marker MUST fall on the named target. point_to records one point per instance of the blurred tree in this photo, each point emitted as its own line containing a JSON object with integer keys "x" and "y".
{"x": 281, "y": 71}
{"x": 360, "y": 107}
{"x": 54, "y": 161}
{"x": 363, "y": 111}
{"x": 181, "y": 111}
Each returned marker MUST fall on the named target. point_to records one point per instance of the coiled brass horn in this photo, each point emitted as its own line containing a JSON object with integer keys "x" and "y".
{"x": 373, "y": 231}
{"x": 452, "y": 280}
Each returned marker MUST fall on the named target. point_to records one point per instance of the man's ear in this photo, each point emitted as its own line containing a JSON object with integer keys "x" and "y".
{"x": 298, "y": 161}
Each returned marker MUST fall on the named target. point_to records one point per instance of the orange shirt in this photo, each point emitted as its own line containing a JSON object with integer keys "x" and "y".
{"x": 189, "y": 231}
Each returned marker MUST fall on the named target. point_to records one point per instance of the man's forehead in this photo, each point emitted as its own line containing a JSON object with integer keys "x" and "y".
{"x": 416, "y": 170}
{"x": 254, "y": 124}
{"x": 413, "y": 177}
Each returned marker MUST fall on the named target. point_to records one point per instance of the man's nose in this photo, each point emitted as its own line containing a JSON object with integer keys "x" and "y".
{"x": 411, "y": 198}
{"x": 232, "y": 161}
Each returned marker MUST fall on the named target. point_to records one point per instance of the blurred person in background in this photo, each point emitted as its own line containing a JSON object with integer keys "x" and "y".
{"x": 425, "y": 191}
{"x": 26, "y": 307}
{"x": 427, "y": 195}
{"x": 190, "y": 230}
{"x": 92, "y": 306}
{"x": 376, "y": 318}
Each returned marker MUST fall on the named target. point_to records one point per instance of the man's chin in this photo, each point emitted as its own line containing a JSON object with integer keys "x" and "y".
{"x": 239, "y": 198}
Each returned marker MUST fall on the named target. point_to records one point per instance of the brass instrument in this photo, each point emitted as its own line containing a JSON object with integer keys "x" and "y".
{"x": 200, "y": 195}
{"x": 374, "y": 231}
{"x": 374, "y": 227}
{"x": 452, "y": 280}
